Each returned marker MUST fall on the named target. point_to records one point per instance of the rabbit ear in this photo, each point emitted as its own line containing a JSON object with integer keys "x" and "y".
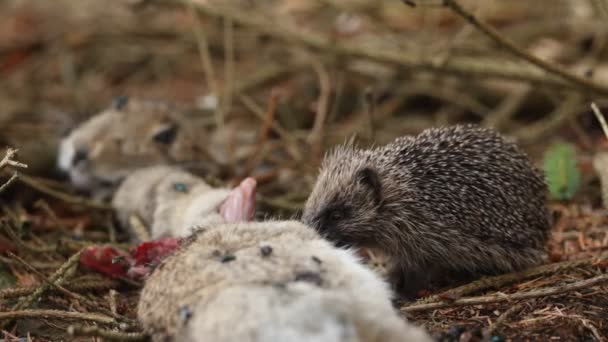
{"x": 370, "y": 179}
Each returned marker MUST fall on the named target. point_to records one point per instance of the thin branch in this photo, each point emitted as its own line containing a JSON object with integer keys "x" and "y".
{"x": 561, "y": 114}
{"x": 67, "y": 292}
{"x": 8, "y": 159}
{"x": 369, "y": 103}
{"x": 500, "y": 321}
{"x": 228, "y": 64}
{"x": 38, "y": 264}
{"x": 203, "y": 49}
{"x": 9, "y": 182}
{"x": 101, "y": 284}
{"x": 316, "y": 135}
{"x": 22, "y": 244}
{"x": 263, "y": 136}
{"x": 480, "y": 67}
{"x": 600, "y": 117}
{"x": 77, "y": 330}
{"x": 501, "y": 297}
{"x": 285, "y": 135}
{"x": 64, "y": 315}
{"x": 56, "y": 278}
{"x": 502, "y": 114}
{"x": 264, "y": 74}
{"x": 36, "y": 184}
{"x": 579, "y": 81}
{"x": 505, "y": 279}
{"x": 45, "y": 279}
{"x": 112, "y": 300}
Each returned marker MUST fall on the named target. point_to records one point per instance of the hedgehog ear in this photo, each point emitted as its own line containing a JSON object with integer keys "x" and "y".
{"x": 370, "y": 179}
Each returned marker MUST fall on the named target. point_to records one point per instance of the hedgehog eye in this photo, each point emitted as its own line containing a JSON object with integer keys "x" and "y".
{"x": 336, "y": 215}
{"x": 166, "y": 134}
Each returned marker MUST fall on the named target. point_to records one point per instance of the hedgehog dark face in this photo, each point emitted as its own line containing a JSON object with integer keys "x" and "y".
{"x": 346, "y": 200}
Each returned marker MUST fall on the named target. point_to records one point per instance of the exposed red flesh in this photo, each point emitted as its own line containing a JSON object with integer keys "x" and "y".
{"x": 107, "y": 260}
{"x": 135, "y": 265}
{"x": 152, "y": 252}
{"x": 139, "y": 262}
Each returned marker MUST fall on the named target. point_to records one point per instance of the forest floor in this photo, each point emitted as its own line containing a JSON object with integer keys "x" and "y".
{"x": 305, "y": 75}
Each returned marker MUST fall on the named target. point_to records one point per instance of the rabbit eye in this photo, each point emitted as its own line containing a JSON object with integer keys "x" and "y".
{"x": 120, "y": 102}
{"x": 166, "y": 135}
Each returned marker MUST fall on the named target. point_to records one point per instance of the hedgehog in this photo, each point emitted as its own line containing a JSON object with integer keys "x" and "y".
{"x": 452, "y": 203}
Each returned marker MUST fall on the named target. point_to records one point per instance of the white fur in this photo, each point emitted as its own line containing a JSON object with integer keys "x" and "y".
{"x": 117, "y": 141}
{"x": 177, "y": 217}
{"x": 151, "y": 194}
{"x": 256, "y": 298}
{"x": 66, "y": 154}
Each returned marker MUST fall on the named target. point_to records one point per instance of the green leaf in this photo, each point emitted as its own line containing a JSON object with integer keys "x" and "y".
{"x": 561, "y": 171}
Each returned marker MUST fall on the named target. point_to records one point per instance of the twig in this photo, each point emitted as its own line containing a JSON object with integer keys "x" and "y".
{"x": 338, "y": 94}
{"x": 100, "y": 284}
{"x": 502, "y": 318}
{"x": 27, "y": 246}
{"x": 263, "y": 136}
{"x": 44, "y": 205}
{"x": 553, "y": 120}
{"x": 228, "y": 64}
{"x": 285, "y": 135}
{"x": 316, "y": 135}
{"x": 112, "y": 300}
{"x": 9, "y": 161}
{"x": 501, "y": 297}
{"x": 203, "y": 49}
{"x": 56, "y": 278}
{"x": 39, "y": 265}
{"x": 480, "y": 67}
{"x": 581, "y": 82}
{"x": 589, "y": 325}
{"x": 44, "y": 278}
{"x": 66, "y": 315}
{"x": 499, "y": 117}
{"x": 504, "y": 279}
{"x": 67, "y": 292}
{"x": 600, "y": 117}
{"x": 9, "y": 182}
{"x": 37, "y": 184}
{"x": 77, "y": 330}
{"x": 369, "y": 102}
{"x": 264, "y": 74}
{"x": 7, "y": 334}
